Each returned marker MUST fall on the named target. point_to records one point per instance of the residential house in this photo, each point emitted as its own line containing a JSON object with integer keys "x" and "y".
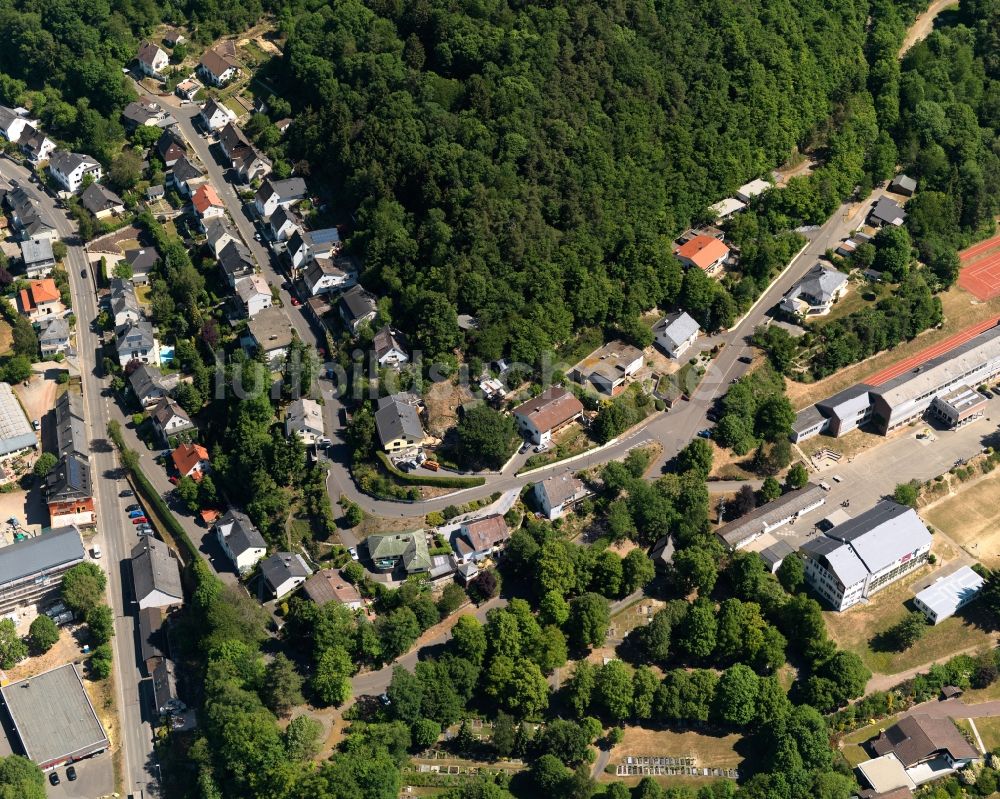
{"x": 27, "y": 216}
{"x": 146, "y": 112}
{"x": 240, "y": 540}
{"x": 207, "y": 204}
{"x": 743, "y": 531}
{"x": 155, "y": 193}
{"x": 71, "y": 431}
{"x": 608, "y": 369}
{"x": 215, "y": 116}
{"x": 283, "y": 572}
{"x": 164, "y": 684}
{"x": 703, "y": 252}
{"x": 943, "y": 598}
{"x": 236, "y": 263}
{"x": 152, "y": 60}
{"x": 903, "y": 184}
{"x": 406, "y": 551}
{"x": 306, "y": 244}
{"x": 156, "y": 575}
{"x": 191, "y": 460}
{"x": 478, "y": 539}
{"x": 219, "y": 234}
{"x": 173, "y": 37}
{"x": 186, "y": 176}
{"x": 232, "y": 140}
{"x": 171, "y": 147}
{"x": 53, "y": 337}
{"x": 886, "y": 212}
{"x": 271, "y": 334}
{"x": 357, "y": 307}
{"x": 187, "y": 89}
{"x": 35, "y": 146}
{"x": 13, "y": 121}
{"x": 748, "y": 191}
{"x": 70, "y": 169}
{"x": 926, "y": 747}
{"x": 101, "y": 202}
{"x": 142, "y": 262}
{"x": 725, "y": 208}
{"x": 324, "y": 275}
{"x": 137, "y": 342}
{"x": 389, "y": 347}
{"x": 150, "y": 386}
{"x": 675, "y": 333}
{"x": 125, "y": 306}
{"x": 556, "y": 495}
{"x": 273, "y": 194}
{"x": 254, "y": 293}
{"x": 283, "y": 125}
{"x": 40, "y": 300}
{"x": 853, "y": 560}
{"x": 243, "y": 157}
{"x": 328, "y": 586}
{"x": 69, "y": 493}
{"x": 305, "y": 417}
{"x": 398, "y": 425}
{"x": 217, "y": 69}
{"x": 169, "y": 420}
{"x": 816, "y": 293}
{"x": 283, "y": 223}
{"x": 542, "y": 416}
{"x": 38, "y": 258}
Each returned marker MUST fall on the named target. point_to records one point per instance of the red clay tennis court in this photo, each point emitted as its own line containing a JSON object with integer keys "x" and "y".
{"x": 980, "y": 273}
{"x": 923, "y": 356}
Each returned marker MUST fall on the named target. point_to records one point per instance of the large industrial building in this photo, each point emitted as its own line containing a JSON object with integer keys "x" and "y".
{"x": 852, "y": 561}
{"x": 16, "y": 434}
{"x": 53, "y": 717}
{"x": 948, "y": 378}
{"x": 31, "y": 571}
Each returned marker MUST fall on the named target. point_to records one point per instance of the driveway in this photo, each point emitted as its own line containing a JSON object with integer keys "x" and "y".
{"x": 94, "y": 777}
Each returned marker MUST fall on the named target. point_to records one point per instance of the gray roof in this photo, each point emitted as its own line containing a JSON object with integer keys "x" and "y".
{"x": 135, "y": 335}
{"x": 53, "y": 716}
{"x": 807, "y": 418}
{"x": 164, "y": 684}
{"x": 561, "y": 487}
{"x": 288, "y": 190}
{"x": 34, "y": 251}
{"x": 43, "y": 553}
{"x": 70, "y": 479}
{"x": 676, "y": 327}
{"x": 15, "y": 429}
{"x": 776, "y": 553}
{"x": 357, "y": 302}
{"x": 904, "y": 182}
{"x": 235, "y": 259}
{"x": 185, "y": 170}
{"x": 882, "y": 534}
{"x": 386, "y": 340}
{"x": 54, "y": 331}
{"x": 32, "y": 140}
{"x": 849, "y": 402}
{"x": 271, "y": 329}
{"x": 152, "y": 643}
{"x": 888, "y": 211}
{"x": 155, "y": 569}
{"x": 167, "y": 409}
{"x": 756, "y": 521}
{"x": 145, "y": 379}
{"x": 242, "y": 535}
{"x": 71, "y": 434}
{"x": 283, "y": 566}
{"x": 282, "y": 215}
{"x": 66, "y": 162}
{"x": 820, "y": 284}
{"x": 142, "y": 260}
{"x": 398, "y": 420}
{"x": 8, "y": 116}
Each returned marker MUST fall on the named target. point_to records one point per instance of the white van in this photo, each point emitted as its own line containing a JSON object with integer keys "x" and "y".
{"x": 95, "y": 552}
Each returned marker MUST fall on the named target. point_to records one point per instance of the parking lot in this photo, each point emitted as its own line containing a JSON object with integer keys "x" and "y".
{"x": 94, "y": 778}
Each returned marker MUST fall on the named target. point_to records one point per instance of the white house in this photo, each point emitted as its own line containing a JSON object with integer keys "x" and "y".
{"x": 284, "y": 222}
{"x": 53, "y": 337}
{"x": 271, "y": 334}
{"x": 675, "y": 333}
{"x": 943, "y": 598}
{"x": 240, "y": 540}
{"x": 550, "y": 411}
{"x": 215, "y": 116}
{"x": 38, "y": 258}
{"x": 305, "y": 417}
{"x": 254, "y": 293}
{"x": 477, "y": 539}
{"x": 13, "y": 122}
{"x": 69, "y": 169}
{"x": 124, "y": 303}
{"x": 389, "y": 349}
{"x": 283, "y": 572}
{"x": 216, "y": 68}
{"x": 156, "y": 576}
{"x": 557, "y": 494}
{"x": 152, "y": 60}
{"x": 169, "y": 419}
{"x": 275, "y": 193}
{"x": 136, "y": 342}
{"x": 207, "y": 204}
{"x": 323, "y": 275}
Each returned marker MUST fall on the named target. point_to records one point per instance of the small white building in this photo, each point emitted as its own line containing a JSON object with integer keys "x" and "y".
{"x": 943, "y": 598}
{"x": 389, "y": 349}
{"x": 675, "y": 333}
{"x": 215, "y": 116}
{"x": 323, "y": 276}
{"x": 748, "y": 191}
{"x": 240, "y": 540}
{"x": 283, "y": 572}
{"x": 254, "y": 293}
{"x": 156, "y": 576}
{"x": 169, "y": 419}
{"x": 557, "y": 494}
{"x": 216, "y": 68}
{"x": 549, "y": 412}
{"x": 273, "y": 194}
{"x": 305, "y": 417}
{"x": 152, "y": 60}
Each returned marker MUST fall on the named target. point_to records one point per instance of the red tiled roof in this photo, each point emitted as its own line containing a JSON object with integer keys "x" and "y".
{"x": 703, "y": 251}
{"x": 204, "y": 197}
{"x": 187, "y": 457}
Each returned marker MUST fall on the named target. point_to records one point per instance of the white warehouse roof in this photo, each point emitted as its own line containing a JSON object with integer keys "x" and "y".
{"x": 948, "y": 594}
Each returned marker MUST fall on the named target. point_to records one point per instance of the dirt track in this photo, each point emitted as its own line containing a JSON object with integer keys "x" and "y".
{"x": 924, "y": 24}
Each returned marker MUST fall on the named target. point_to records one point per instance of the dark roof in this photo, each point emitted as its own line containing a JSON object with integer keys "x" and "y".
{"x": 170, "y": 145}
{"x": 71, "y": 435}
{"x": 398, "y": 420}
{"x": 184, "y": 170}
{"x": 235, "y": 259}
{"x": 386, "y": 340}
{"x": 914, "y": 739}
{"x": 145, "y": 379}
{"x": 754, "y": 523}
{"x": 142, "y": 260}
{"x": 152, "y": 641}
{"x": 155, "y": 569}
{"x": 357, "y": 302}
{"x": 96, "y": 198}
{"x": 242, "y": 535}
{"x": 70, "y": 479}
{"x": 283, "y": 566}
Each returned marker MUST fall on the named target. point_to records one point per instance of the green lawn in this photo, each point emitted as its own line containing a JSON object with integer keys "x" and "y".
{"x": 989, "y": 731}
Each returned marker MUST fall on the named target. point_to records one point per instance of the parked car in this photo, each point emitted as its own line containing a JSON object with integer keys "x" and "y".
{"x": 132, "y": 507}
{"x": 37, "y": 424}
{"x": 704, "y": 433}
{"x": 54, "y": 778}
{"x": 96, "y": 553}
{"x": 745, "y": 359}
{"x": 140, "y": 520}
{"x": 837, "y": 478}
{"x": 135, "y": 514}
{"x": 353, "y": 552}
{"x": 295, "y": 303}
{"x": 145, "y": 526}
{"x": 71, "y": 773}
{"x": 825, "y": 486}
{"x": 83, "y": 273}
{"x": 128, "y": 492}
{"x": 432, "y": 465}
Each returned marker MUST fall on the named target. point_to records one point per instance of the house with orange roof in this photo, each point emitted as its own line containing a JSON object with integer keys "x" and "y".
{"x": 206, "y": 203}
{"x": 191, "y": 460}
{"x": 704, "y": 252}
{"x": 41, "y": 300}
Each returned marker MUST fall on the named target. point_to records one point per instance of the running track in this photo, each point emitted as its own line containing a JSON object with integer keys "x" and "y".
{"x": 923, "y": 356}
{"x": 980, "y": 273}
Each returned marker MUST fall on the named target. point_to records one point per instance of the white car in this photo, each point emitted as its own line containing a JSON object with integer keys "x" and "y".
{"x": 95, "y": 553}
{"x": 837, "y": 478}
{"x": 825, "y": 486}
{"x": 353, "y": 552}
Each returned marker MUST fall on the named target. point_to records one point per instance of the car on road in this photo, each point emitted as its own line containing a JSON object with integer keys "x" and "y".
{"x": 83, "y": 273}
{"x": 140, "y": 520}
{"x": 135, "y": 514}
{"x": 96, "y": 553}
{"x": 745, "y": 359}
{"x": 256, "y": 236}
{"x": 54, "y": 778}
{"x": 37, "y": 424}
{"x": 704, "y": 433}
{"x": 133, "y": 507}
{"x": 128, "y": 492}
{"x": 71, "y": 773}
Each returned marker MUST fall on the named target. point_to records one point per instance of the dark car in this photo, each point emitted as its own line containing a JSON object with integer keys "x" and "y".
{"x": 71, "y": 773}
{"x": 128, "y": 492}
{"x": 54, "y": 778}
{"x": 133, "y": 507}
{"x": 83, "y": 273}
{"x": 745, "y": 359}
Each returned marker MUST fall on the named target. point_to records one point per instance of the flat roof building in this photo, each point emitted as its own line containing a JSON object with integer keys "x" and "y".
{"x": 853, "y": 560}
{"x": 608, "y": 367}
{"x": 959, "y": 407}
{"x": 31, "y": 571}
{"x": 944, "y": 597}
{"x": 741, "y": 532}
{"x": 54, "y": 718}
{"x": 16, "y": 433}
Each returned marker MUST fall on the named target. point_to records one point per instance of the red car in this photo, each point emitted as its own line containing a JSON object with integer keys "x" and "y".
{"x": 174, "y": 479}
{"x": 140, "y": 520}
{"x": 295, "y": 303}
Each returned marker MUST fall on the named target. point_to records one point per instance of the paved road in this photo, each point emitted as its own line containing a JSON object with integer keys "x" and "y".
{"x": 137, "y": 739}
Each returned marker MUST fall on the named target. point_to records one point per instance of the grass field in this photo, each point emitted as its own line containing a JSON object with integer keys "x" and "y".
{"x": 971, "y": 517}
{"x": 711, "y": 751}
{"x": 961, "y": 310}
{"x": 855, "y": 628}
{"x": 989, "y": 731}
{"x": 6, "y": 337}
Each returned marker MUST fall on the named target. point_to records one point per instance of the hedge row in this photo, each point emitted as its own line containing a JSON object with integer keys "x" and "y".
{"x": 421, "y": 480}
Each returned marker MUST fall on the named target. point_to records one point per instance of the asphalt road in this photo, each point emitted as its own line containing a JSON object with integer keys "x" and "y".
{"x": 137, "y": 736}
